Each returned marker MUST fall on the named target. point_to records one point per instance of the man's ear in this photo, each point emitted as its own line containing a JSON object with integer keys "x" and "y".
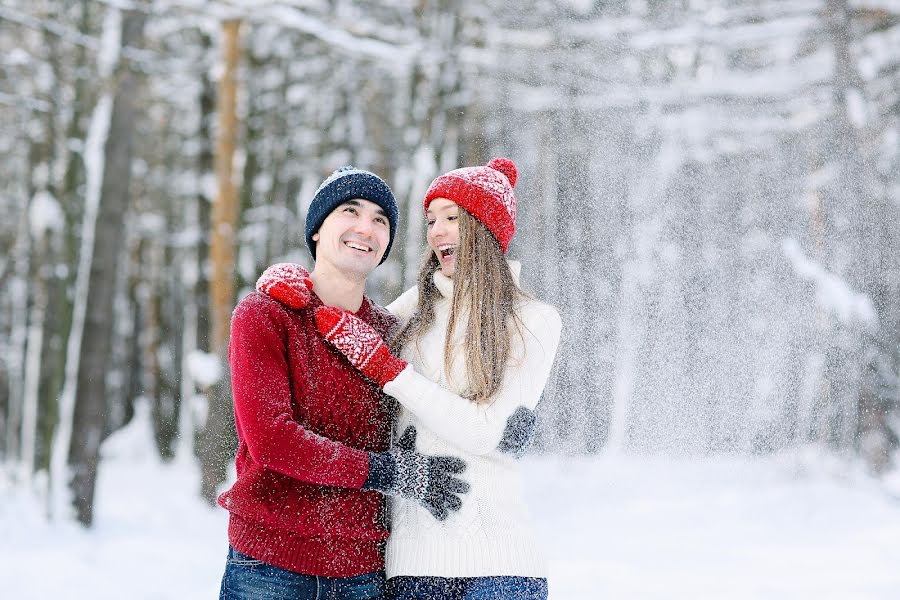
{"x": 315, "y": 237}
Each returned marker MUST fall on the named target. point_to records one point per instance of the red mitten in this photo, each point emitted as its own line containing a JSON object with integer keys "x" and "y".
{"x": 289, "y": 283}
{"x": 360, "y": 343}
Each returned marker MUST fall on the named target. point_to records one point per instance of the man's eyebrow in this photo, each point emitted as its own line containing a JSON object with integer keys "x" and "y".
{"x": 355, "y": 202}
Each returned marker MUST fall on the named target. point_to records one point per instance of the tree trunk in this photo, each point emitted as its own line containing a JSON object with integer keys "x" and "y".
{"x": 89, "y": 415}
{"x": 219, "y": 430}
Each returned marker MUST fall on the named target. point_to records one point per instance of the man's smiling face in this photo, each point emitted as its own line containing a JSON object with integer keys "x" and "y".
{"x": 353, "y": 237}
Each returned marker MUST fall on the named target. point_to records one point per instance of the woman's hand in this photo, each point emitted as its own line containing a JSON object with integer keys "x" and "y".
{"x": 289, "y": 283}
{"x": 360, "y": 343}
{"x": 519, "y": 432}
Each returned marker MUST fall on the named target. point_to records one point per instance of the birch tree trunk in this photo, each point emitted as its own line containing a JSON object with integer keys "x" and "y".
{"x": 18, "y": 293}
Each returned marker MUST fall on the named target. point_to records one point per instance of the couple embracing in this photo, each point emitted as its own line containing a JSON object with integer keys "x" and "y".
{"x": 324, "y": 379}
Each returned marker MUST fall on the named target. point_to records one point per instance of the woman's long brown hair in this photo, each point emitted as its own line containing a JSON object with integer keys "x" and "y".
{"x": 483, "y": 288}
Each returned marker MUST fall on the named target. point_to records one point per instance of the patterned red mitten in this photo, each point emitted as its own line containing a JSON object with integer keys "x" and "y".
{"x": 360, "y": 343}
{"x": 289, "y": 283}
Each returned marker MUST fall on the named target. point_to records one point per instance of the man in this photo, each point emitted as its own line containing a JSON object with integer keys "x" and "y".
{"x": 307, "y": 519}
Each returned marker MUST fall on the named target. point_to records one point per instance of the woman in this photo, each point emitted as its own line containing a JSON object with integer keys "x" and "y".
{"x": 472, "y": 348}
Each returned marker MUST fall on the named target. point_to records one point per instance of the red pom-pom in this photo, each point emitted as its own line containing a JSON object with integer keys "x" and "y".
{"x": 505, "y": 166}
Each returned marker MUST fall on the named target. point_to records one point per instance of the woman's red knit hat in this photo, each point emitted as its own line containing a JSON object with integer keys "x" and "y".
{"x": 485, "y": 192}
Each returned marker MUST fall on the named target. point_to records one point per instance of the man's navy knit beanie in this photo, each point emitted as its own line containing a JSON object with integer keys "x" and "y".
{"x": 345, "y": 184}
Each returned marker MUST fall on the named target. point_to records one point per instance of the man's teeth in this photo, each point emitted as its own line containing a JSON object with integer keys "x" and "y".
{"x": 359, "y": 247}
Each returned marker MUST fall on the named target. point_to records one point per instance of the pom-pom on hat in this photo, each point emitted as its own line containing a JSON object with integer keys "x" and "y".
{"x": 345, "y": 184}
{"x": 485, "y": 192}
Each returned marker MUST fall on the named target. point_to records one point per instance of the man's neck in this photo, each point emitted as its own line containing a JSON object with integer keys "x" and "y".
{"x": 338, "y": 289}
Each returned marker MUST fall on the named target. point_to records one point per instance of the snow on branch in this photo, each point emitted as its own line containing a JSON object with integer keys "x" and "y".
{"x": 832, "y": 292}
{"x": 70, "y": 35}
{"x": 878, "y": 52}
{"x": 337, "y": 36}
{"x": 888, "y": 6}
{"x": 34, "y": 104}
{"x": 356, "y": 34}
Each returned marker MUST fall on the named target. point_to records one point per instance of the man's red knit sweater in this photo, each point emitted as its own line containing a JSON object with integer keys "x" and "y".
{"x": 305, "y": 420}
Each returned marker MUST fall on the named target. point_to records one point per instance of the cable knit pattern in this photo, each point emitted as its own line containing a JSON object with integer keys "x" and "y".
{"x": 306, "y": 421}
{"x": 490, "y": 534}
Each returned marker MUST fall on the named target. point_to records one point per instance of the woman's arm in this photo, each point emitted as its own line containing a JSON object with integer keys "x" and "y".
{"x": 478, "y": 427}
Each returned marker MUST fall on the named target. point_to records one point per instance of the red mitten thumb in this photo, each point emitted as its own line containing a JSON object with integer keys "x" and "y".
{"x": 327, "y": 317}
{"x": 289, "y": 283}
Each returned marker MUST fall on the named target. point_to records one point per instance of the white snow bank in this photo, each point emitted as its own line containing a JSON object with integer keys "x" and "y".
{"x": 790, "y": 527}
{"x": 720, "y": 528}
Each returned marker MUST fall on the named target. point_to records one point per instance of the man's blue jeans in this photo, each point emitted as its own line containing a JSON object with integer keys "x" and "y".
{"x": 249, "y": 579}
{"x": 467, "y": 588}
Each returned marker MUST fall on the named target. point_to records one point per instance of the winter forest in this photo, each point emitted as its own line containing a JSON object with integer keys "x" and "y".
{"x": 709, "y": 193}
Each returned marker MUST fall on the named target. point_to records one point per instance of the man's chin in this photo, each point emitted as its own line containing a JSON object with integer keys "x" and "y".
{"x": 360, "y": 267}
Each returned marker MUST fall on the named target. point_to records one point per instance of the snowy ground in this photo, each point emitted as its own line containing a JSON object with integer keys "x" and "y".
{"x": 788, "y": 527}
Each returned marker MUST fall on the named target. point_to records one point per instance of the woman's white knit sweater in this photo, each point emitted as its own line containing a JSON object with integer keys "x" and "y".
{"x": 490, "y": 535}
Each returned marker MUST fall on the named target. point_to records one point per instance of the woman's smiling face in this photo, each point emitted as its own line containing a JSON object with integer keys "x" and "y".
{"x": 442, "y": 217}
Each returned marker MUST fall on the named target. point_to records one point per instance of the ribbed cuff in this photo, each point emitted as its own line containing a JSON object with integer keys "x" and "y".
{"x": 382, "y": 472}
{"x": 477, "y": 555}
{"x": 325, "y": 557}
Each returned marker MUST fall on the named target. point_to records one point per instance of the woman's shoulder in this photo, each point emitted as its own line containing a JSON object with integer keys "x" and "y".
{"x": 536, "y": 314}
{"x": 405, "y": 305}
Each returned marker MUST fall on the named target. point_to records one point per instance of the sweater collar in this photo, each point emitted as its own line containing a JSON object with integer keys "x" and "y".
{"x": 445, "y": 285}
{"x": 364, "y": 312}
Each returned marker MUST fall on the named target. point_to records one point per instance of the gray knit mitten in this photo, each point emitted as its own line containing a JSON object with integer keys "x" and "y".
{"x": 519, "y": 432}
{"x": 429, "y": 480}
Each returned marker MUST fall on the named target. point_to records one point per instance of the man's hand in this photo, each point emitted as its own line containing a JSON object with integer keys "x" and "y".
{"x": 519, "y": 432}
{"x": 360, "y": 343}
{"x": 289, "y": 283}
{"x": 429, "y": 480}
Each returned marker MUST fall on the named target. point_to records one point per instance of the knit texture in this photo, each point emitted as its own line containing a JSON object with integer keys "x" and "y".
{"x": 359, "y": 342}
{"x": 345, "y": 184}
{"x": 490, "y": 534}
{"x": 306, "y": 420}
{"x": 289, "y": 283}
{"x": 485, "y": 192}
{"x": 431, "y": 481}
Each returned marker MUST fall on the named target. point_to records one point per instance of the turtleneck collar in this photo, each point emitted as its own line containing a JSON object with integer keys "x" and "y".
{"x": 444, "y": 284}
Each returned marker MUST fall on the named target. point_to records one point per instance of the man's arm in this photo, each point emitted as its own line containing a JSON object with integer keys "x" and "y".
{"x": 260, "y": 379}
{"x": 262, "y": 404}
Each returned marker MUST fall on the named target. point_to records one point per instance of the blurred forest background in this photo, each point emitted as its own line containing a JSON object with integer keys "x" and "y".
{"x": 709, "y": 191}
